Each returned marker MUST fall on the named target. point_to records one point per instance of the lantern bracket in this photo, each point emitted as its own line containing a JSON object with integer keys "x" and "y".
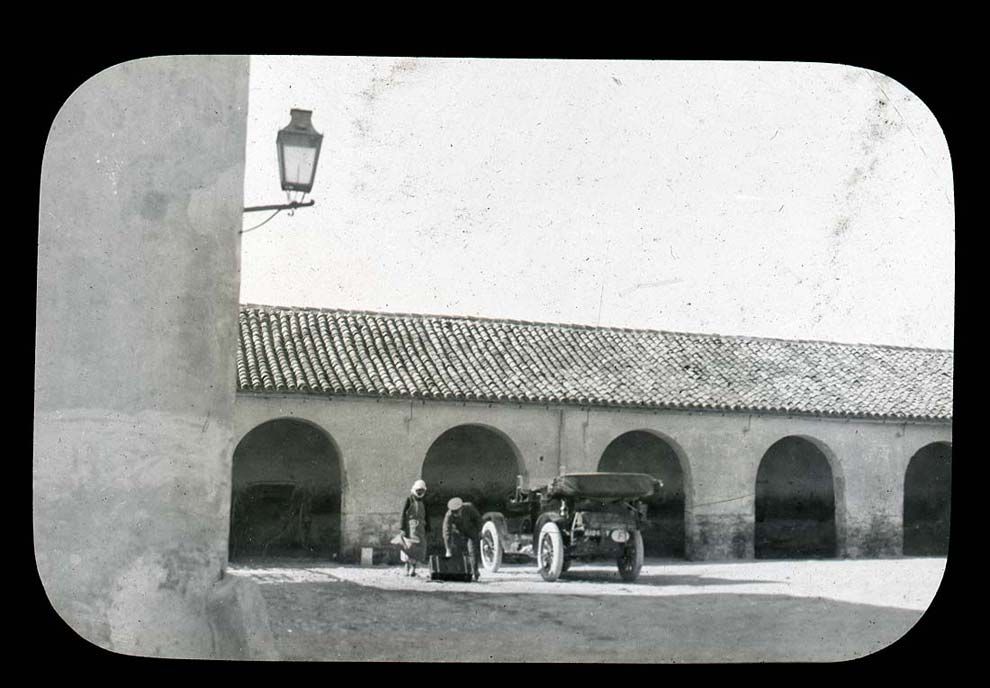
{"x": 286, "y": 206}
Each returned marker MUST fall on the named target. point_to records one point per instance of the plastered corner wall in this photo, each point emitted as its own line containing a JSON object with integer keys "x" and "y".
{"x": 138, "y": 278}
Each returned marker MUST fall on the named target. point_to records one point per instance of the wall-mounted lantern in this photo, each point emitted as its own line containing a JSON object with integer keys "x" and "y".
{"x": 298, "y": 146}
{"x": 298, "y": 151}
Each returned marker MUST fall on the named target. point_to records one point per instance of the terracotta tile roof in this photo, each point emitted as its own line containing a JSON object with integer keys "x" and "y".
{"x": 337, "y": 352}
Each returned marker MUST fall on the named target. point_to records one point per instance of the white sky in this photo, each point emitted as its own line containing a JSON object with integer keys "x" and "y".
{"x": 802, "y": 201}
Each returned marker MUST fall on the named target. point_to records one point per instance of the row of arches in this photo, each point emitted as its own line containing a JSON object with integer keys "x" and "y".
{"x": 287, "y": 491}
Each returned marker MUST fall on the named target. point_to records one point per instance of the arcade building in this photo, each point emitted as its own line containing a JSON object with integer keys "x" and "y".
{"x": 767, "y": 448}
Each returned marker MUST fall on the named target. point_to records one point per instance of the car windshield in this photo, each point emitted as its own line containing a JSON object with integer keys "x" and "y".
{"x": 603, "y": 485}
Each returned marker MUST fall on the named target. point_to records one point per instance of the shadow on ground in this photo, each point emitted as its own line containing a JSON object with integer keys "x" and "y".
{"x": 579, "y": 576}
{"x": 346, "y": 621}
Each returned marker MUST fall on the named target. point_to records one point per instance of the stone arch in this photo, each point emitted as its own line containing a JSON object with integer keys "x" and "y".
{"x": 799, "y": 501}
{"x": 927, "y": 500}
{"x": 286, "y": 485}
{"x": 648, "y": 451}
{"x": 474, "y": 461}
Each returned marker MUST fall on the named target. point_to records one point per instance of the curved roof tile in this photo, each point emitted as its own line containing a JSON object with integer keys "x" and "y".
{"x": 318, "y": 351}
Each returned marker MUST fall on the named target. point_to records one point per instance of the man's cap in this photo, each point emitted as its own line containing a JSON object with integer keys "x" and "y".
{"x": 418, "y": 485}
{"x": 455, "y": 503}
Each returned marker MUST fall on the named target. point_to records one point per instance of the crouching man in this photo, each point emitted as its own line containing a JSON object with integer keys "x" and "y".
{"x": 462, "y": 532}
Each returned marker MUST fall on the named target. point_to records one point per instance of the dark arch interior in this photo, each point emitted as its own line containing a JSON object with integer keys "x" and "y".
{"x": 927, "y": 493}
{"x": 286, "y": 494}
{"x": 795, "y": 502}
{"x": 473, "y": 463}
{"x": 643, "y": 452}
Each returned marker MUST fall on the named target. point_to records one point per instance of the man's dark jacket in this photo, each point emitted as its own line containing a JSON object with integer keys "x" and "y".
{"x": 467, "y": 522}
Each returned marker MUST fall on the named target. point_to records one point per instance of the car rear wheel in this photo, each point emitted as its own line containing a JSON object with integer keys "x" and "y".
{"x": 631, "y": 559}
{"x": 550, "y": 554}
{"x": 491, "y": 547}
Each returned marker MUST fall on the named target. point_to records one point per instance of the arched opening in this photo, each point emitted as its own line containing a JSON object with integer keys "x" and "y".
{"x": 795, "y": 502}
{"x": 927, "y": 493}
{"x": 286, "y": 493}
{"x": 644, "y": 452}
{"x": 472, "y": 462}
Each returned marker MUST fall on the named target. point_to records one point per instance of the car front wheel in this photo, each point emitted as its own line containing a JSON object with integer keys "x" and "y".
{"x": 550, "y": 554}
{"x": 491, "y": 547}
{"x": 631, "y": 559}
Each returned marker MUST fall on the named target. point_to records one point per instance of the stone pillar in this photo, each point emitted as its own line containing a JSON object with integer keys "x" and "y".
{"x": 869, "y": 503}
{"x": 381, "y": 463}
{"x": 138, "y": 280}
{"x": 719, "y": 494}
{"x": 720, "y": 534}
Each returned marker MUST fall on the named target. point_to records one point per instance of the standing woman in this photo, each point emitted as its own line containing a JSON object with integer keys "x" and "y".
{"x": 415, "y": 528}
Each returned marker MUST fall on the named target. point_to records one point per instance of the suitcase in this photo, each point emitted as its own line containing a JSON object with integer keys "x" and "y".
{"x": 453, "y": 569}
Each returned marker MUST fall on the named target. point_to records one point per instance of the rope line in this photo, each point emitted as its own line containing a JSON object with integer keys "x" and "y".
{"x": 723, "y": 501}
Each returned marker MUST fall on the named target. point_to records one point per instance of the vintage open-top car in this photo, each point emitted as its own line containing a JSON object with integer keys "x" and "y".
{"x": 577, "y": 516}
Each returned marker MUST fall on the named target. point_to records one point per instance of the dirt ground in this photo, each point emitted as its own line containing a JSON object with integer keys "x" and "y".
{"x": 676, "y": 612}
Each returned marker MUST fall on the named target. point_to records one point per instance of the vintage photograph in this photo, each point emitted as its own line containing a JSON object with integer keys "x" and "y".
{"x": 423, "y": 359}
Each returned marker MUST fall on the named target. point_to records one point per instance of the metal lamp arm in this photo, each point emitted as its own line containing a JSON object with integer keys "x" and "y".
{"x": 286, "y": 206}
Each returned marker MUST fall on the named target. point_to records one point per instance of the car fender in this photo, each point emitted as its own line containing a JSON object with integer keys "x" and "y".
{"x": 499, "y": 520}
{"x": 544, "y": 518}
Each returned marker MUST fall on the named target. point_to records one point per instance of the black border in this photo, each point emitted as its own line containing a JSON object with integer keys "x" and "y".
{"x": 942, "y": 78}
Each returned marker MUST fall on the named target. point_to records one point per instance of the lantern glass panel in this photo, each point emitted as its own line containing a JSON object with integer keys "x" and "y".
{"x": 298, "y": 165}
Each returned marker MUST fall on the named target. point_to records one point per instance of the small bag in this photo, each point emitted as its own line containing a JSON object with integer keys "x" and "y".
{"x": 456, "y": 568}
{"x": 404, "y": 542}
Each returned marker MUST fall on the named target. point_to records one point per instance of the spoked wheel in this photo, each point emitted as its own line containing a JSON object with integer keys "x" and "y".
{"x": 491, "y": 547}
{"x": 631, "y": 559}
{"x": 550, "y": 555}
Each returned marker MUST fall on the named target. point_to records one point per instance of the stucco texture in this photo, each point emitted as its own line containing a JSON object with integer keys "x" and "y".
{"x": 382, "y": 445}
{"x": 141, "y": 202}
